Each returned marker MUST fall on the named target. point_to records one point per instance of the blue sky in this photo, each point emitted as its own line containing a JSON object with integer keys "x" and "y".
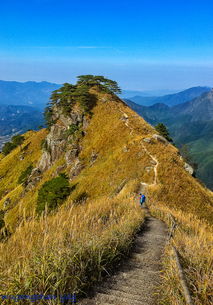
{"x": 143, "y": 44}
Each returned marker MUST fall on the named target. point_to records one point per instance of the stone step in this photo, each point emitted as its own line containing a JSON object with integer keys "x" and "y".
{"x": 124, "y": 292}
{"x": 116, "y": 300}
{"x": 92, "y": 301}
{"x": 138, "y": 284}
{"x": 136, "y": 274}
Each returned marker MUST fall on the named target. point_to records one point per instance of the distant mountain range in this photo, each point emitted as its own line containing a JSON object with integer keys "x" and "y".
{"x": 21, "y": 106}
{"x": 37, "y": 94}
{"x": 147, "y": 93}
{"x": 34, "y": 94}
{"x": 189, "y": 123}
{"x": 170, "y": 99}
{"x": 18, "y": 119}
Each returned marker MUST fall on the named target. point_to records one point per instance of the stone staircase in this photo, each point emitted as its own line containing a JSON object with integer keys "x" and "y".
{"x": 137, "y": 281}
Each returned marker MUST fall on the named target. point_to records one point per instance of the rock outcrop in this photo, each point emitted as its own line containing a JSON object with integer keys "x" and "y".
{"x": 160, "y": 139}
{"x": 189, "y": 169}
{"x": 33, "y": 179}
{"x": 61, "y": 139}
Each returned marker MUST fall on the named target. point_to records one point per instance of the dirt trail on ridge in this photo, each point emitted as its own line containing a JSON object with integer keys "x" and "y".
{"x": 155, "y": 161}
{"x": 138, "y": 279}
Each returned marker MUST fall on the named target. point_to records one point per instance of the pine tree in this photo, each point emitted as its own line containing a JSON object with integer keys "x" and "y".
{"x": 163, "y": 131}
{"x": 68, "y": 95}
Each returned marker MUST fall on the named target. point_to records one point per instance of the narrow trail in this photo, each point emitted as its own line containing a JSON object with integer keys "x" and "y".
{"x": 155, "y": 161}
{"x": 137, "y": 281}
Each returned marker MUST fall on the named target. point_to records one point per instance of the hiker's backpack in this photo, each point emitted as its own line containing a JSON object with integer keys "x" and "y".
{"x": 143, "y": 198}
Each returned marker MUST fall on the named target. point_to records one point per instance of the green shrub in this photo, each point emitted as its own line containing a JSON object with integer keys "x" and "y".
{"x": 25, "y": 147}
{"x": 9, "y": 146}
{"x": 2, "y": 223}
{"x": 163, "y": 131}
{"x": 17, "y": 140}
{"x": 53, "y": 193}
{"x": 73, "y": 128}
{"x": 25, "y": 174}
{"x": 80, "y": 198}
{"x": 48, "y": 116}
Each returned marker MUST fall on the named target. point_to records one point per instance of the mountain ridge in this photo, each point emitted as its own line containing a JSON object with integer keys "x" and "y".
{"x": 18, "y": 119}
{"x": 69, "y": 193}
{"x": 200, "y": 108}
{"x": 171, "y": 99}
{"x": 26, "y": 93}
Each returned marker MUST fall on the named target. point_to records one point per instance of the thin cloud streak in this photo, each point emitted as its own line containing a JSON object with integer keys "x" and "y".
{"x": 66, "y": 47}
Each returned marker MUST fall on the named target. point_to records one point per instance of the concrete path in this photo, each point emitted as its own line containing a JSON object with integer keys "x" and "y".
{"x": 137, "y": 281}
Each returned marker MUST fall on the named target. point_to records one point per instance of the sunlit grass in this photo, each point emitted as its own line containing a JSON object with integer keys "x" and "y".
{"x": 69, "y": 251}
{"x": 194, "y": 239}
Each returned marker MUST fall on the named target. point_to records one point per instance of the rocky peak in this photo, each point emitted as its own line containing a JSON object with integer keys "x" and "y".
{"x": 61, "y": 134}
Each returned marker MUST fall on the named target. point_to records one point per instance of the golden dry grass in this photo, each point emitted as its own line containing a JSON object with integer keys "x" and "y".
{"x": 193, "y": 239}
{"x": 11, "y": 165}
{"x": 69, "y": 251}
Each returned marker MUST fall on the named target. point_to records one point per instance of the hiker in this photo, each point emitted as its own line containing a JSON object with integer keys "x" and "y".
{"x": 142, "y": 199}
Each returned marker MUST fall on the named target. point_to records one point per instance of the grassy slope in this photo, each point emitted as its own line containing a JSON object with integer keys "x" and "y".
{"x": 12, "y": 166}
{"x": 81, "y": 241}
{"x": 192, "y": 238}
{"x": 196, "y": 134}
{"x": 15, "y": 163}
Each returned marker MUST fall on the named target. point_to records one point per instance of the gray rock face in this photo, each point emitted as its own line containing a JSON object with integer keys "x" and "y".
{"x": 33, "y": 179}
{"x": 56, "y": 142}
{"x": 189, "y": 168}
{"x": 45, "y": 161}
{"x": 55, "y": 146}
{"x": 160, "y": 139}
{"x": 72, "y": 153}
{"x": 76, "y": 169}
{"x": 74, "y": 117}
{"x": 94, "y": 157}
{"x": 85, "y": 122}
{"x": 60, "y": 169}
{"x": 147, "y": 140}
{"x": 6, "y": 203}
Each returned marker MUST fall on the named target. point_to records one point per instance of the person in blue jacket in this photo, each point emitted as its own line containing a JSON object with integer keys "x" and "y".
{"x": 142, "y": 199}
